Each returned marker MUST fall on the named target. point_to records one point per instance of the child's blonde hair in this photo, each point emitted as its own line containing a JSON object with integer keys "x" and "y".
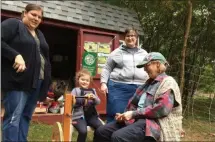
{"x": 81, "y": 73}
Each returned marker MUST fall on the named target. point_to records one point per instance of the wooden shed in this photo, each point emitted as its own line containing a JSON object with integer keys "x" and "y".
{"x": 73, "y": 27}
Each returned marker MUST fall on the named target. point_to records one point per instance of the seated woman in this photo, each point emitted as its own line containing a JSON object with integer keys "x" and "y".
{"x": 154, "y": 113}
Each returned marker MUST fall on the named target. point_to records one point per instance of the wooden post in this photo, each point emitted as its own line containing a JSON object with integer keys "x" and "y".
{"x": 67, "y": 117}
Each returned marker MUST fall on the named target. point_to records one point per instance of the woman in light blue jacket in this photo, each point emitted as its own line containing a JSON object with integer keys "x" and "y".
{"x": 120, "y": 77}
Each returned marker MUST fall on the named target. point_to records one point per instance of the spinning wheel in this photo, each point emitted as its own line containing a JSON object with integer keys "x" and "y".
{"x": 57, "y": 133}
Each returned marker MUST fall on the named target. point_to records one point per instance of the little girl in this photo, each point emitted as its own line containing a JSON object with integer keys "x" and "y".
{"x": 84, "y": 111}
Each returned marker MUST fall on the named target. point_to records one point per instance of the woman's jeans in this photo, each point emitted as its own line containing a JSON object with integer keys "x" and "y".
{"x": 118, "y": 97}
{"x": 19, "y": 107}
{"x": 119, "y": 132}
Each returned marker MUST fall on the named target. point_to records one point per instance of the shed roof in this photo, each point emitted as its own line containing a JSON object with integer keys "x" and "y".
{"x": 90, "y": 13}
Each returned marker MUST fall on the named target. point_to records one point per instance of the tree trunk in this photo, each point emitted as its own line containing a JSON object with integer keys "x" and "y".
{"x": 188, "y": 24}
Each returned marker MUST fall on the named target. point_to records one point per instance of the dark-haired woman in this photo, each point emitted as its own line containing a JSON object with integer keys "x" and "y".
{"x": 26, "y": 71}
{"x": 120, "y": 77}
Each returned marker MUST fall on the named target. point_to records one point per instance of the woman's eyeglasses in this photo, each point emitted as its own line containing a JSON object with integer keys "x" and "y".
{"x": 127, "y": 36}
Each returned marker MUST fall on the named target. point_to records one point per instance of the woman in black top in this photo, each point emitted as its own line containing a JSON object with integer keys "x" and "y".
{"x": 26, "y": 71}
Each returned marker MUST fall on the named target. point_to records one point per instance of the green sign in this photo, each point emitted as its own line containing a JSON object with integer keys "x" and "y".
{"x": 89, "y": 61}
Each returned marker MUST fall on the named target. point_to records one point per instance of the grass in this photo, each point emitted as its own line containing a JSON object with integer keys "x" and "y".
{"x": 199, "y": 121}
{"x": 40, "y": 132}
{"x": 199, "y": 130}
{"x": 199, "y": 124}
{"x": 43, "y": 132}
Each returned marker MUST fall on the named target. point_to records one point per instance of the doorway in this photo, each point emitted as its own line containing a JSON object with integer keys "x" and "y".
{"x": 63, "y": 48}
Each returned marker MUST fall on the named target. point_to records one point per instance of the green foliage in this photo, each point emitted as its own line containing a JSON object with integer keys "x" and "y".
{"x": 207, "y": 80}
{"x": 164, "y": 24}
{"x": 118, "y": 3}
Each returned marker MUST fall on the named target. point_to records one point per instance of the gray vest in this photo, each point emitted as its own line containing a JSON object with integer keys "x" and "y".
{"x": 171, "y": 126}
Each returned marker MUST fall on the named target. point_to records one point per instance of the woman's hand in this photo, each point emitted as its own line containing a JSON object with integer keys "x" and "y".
{"x": 19, "y": 64}
{"x": 124, "y": 116}
{"x": 118, "y": 117}
{"x": 127, "y": 115}
{"x": 104, "y": 88}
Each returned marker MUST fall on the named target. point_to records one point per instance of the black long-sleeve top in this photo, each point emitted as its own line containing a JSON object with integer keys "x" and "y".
{"x": 15, "y": 40}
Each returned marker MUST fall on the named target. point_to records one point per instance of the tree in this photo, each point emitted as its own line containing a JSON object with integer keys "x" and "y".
{"x": 188, "y": 24}
{"x": 164, "y": 26}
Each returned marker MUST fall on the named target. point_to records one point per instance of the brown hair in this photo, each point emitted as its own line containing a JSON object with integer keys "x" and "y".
{"x": 30, "y": 7}
{"x": 81, "y": 73}
{"x": 129, "y": 29}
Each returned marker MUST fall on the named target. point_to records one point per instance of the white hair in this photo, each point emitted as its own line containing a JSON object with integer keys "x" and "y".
{"x": 162, "y": 68}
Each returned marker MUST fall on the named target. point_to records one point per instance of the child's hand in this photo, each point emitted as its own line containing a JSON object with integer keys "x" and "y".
{"x": 90, "y": 96}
